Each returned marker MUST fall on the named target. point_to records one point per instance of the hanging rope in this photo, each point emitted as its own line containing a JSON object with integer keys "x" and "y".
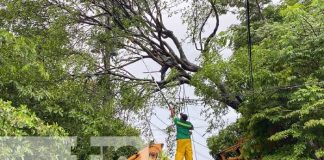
{"x": 157, "y": 85}
{"x": 185, "y": 108}
{"x": 180, "y": 102}
{"x": 160, "y": 119}
{"x": 249, "y": 41}
{"x": 160, "y": 91}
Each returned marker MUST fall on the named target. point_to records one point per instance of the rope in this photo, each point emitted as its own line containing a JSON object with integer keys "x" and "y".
{"x": 195, "y": 151}
{"x": 160, "y": 91}
{"x": 155, "y": 82}
{"x": 196, "y": 118}
{"x": 183, "y": 100}
{"x": 163, "y": 131}
{"x": 200, "y": 144}
{"x": 249, "y": 44}
{"x": 186, "y": 109}
{"x": 202, "y": 155}
{"x": 160, "y": 119}
{"x": 199, "y": 134}
{"x": 202, "y": 127}
{"x": 180, "y": 98}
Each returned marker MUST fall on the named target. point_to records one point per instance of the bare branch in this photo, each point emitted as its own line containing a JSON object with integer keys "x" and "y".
{"x": 215, "y": 28}
{"x": 202, "y": 28}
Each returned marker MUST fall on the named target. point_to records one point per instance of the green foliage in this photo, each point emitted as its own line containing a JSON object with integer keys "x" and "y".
{"x": 163, "y": 156}
{"x": 125, "y": 151}
{"x": 224, "y": 139}
{"x": 20, "y": 121}
{"x": 40, "y": 71}
{"x": 51, "y": 85}
{"x": 283, "y": 117}
{"x": 20, "y": 70}
{"x": 131, "y": 97}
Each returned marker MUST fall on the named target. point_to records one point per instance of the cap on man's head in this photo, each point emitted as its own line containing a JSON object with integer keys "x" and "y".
{"x": 183, "y": 116}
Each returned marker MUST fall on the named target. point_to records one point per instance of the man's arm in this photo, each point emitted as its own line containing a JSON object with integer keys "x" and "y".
{"x": 172, "y": 112}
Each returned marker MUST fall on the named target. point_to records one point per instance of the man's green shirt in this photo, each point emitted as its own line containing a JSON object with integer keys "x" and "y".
{"x": 183, "y": 128}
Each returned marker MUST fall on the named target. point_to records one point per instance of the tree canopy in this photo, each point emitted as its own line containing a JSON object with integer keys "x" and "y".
{"x": 64, "y": 69}
{"x": 283, "y": 117}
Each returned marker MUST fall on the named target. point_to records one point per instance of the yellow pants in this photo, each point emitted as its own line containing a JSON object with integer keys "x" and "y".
{"x": 184, "y": 149}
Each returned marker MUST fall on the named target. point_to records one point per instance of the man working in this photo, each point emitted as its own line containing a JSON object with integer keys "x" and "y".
{"x": 184, "y": 148}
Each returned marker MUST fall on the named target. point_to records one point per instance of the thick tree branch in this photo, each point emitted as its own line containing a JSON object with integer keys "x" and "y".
{"x": 141, "y": 31}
